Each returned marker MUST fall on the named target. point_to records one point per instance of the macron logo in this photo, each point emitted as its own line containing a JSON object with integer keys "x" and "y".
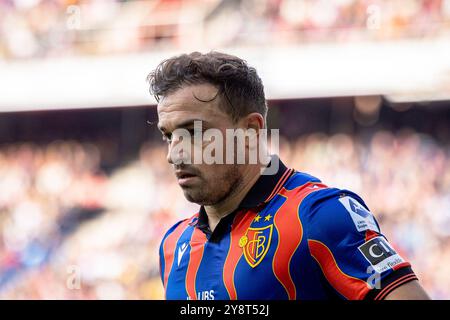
{"x": 181, "y": 251}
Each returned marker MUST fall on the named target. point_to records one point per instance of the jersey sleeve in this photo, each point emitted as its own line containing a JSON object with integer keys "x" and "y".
{"x": 355, "y": 259}
{"x": 162, "y": 254}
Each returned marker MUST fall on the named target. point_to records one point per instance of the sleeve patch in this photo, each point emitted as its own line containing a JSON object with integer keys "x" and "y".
{"x": 362, "y": 218}
{"x": 380, "y": 254}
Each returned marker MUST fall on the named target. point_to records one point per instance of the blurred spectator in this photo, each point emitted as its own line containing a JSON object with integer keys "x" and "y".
{"x": 56, "y": 28}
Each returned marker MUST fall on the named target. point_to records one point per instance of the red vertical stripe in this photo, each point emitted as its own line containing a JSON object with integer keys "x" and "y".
{"x": 197, "y": 243}
{"x": 290, "y": 233}
{"x": 169, "y": 248}
{"x": 242, "y": 222}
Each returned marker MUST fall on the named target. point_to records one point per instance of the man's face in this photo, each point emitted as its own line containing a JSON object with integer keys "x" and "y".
{"x": 205, "y": 184}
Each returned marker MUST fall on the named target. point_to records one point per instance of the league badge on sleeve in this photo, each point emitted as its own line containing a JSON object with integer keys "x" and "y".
{"x": 362, "y": 218}
{"x": 380, "y": 254}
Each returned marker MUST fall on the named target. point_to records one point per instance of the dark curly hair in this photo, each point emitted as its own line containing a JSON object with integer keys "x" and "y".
{"x": 240, "y": 88}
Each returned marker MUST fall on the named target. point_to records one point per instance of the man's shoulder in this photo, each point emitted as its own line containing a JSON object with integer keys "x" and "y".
{"x": 299, "y": 179}
{"x": 300, "y": 186}
{"x": 315, "y": 195}
{"x": 333, "y": 212}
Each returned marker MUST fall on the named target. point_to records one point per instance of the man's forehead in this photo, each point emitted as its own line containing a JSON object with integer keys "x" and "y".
{"x": 194, "y": 101}
{"x": 190, "y": 96}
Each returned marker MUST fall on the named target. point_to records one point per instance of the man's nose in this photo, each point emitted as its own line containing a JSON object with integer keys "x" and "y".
{"x": 177, "y": 153}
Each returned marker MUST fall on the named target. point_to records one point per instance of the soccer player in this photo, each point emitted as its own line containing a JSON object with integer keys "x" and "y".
{"x": 259, "y": 234}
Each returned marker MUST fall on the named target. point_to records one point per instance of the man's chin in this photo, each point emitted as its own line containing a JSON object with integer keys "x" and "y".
{"x": 193, "y": 196}
{"x": 196, "y": 197}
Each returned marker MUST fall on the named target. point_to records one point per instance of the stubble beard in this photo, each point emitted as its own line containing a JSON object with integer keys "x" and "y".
{"x": 215, "y": 191}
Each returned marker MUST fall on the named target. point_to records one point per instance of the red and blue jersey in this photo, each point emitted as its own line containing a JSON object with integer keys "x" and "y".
{"x": 292, "y": 237}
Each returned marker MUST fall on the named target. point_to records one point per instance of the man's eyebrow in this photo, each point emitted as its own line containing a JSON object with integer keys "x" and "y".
{"x": 184, "y": 124}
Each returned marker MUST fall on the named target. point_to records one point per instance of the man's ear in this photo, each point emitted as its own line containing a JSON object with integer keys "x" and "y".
{"x": 254, "y": 121}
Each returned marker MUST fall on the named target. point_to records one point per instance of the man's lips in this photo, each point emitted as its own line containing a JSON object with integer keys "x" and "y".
{"x": 185, "y": 177}
{"x": 184, "y": 174}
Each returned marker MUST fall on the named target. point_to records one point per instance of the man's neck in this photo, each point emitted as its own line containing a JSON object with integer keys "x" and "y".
{"x": 228, "y": 205}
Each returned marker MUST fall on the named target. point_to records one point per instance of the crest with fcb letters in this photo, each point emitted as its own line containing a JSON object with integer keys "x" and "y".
{"x": 256, "y": 243}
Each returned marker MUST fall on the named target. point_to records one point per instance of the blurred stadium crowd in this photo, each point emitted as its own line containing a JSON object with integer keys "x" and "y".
{"x": 61, "y": 28}
{"x": 70, "y": 231}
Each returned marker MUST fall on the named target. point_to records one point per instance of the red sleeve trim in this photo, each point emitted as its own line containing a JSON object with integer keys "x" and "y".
{"x": 394, "y": 285}
{"x": 392, "y": 281}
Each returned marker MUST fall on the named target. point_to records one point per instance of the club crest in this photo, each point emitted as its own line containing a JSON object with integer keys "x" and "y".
{"x": 256, "y": 243}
